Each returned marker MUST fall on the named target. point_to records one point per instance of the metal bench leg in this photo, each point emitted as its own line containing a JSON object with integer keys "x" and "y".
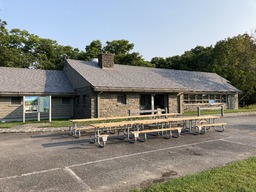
{"x": 77, "y": 134}
{"x": 203, "y": 130}
{"x": 169, "y": 135}
{"x": 220, "y": 130}
{"x": 104, "y": 140}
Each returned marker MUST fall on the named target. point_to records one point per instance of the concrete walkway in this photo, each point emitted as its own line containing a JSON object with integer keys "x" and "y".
{"x": 31, "y": 128}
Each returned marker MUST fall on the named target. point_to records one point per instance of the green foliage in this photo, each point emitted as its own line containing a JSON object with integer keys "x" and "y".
{"x": 132, "y": 59}
{"x": 235, "y": 60}
{"x": 93, "y": 50}
{"x": 197, "y": 59}
{"x": 236, "y": 176}
{"x": 121, "y": 49}
{"x": 118, "y": 47}
{"x": 232, "y": 58}
{"x": 19, "y": 48}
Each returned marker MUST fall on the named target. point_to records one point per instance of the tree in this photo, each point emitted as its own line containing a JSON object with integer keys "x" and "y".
{"x": 93, "y": 50}
{"x": 235, "y": 60}
{"x": 118, "y": 47}
{"x": 134, "y": 59}
{"x": 19, "y": 48}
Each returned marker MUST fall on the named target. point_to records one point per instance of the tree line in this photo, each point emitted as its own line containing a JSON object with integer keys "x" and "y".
{"x": 232, "y": 58}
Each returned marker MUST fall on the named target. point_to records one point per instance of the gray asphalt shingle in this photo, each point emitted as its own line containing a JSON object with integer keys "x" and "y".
{"x": 125, "y": 76}
{"x": 21, "y": 80}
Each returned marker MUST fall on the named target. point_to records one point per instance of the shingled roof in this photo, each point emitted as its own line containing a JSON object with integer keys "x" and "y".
{"x": 135, "y": 78}
{"x": 34, "y": 81}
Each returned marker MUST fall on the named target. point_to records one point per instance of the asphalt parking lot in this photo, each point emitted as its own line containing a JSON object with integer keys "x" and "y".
{"x": 58, "y": 162}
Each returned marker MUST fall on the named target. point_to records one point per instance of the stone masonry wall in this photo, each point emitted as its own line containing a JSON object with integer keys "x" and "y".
{"x": 173, "y": 103}
{"x": 109, "y": 107}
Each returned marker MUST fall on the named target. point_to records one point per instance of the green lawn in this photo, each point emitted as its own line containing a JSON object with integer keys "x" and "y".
{"x": 67, "y": 123}
{"x": 238, "y": 176}
{"x": 218, "y": 111}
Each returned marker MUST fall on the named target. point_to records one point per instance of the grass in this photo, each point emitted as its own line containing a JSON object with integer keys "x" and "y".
{"x": 238, "y": 176}
{"x": 249, "y": 108}
{"x": 67, "y": 123}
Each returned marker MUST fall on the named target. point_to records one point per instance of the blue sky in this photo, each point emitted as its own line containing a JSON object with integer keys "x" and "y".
{"x": 157, "y": 27}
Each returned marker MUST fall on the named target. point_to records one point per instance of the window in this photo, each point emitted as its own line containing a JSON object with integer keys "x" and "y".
{"x": 15, "y": 100}
{"x": 204, "y": 98}
{"x": 199, "y": 98}
{"x": 65, "y": 101}
{"x": 121, "y": 99}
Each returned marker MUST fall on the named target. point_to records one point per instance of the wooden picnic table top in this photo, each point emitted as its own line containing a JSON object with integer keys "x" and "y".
{"x": 152, "y": 121}
{"x": 123, "y": 117}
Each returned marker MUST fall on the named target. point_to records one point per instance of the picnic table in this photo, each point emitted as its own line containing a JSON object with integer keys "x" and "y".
{"x": 76, "y": 131}
{"x": 161, "y": 125}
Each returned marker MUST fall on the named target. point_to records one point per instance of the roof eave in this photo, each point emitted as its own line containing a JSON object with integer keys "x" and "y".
{"x": 133, "y": 89}
{"x": 37, "y": 93}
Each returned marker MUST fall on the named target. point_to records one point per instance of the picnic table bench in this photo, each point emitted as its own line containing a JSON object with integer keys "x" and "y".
{"x": 160, "y": 130}
{"x": 201, "y": 128}
{"x": 99, "y": 132}
{"x": 76, "y": 131}
{"x": 139, "y": 126}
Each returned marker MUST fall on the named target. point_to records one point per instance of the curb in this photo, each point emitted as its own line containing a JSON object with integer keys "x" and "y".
{"x": 34, "y": 130}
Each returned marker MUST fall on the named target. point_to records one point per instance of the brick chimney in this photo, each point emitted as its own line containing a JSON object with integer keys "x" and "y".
{"x": 106, "y": 60}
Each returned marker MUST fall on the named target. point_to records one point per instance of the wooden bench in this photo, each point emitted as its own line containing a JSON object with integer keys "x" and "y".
{"x": 136, "y": 133}
{"x": 201, "y": 128}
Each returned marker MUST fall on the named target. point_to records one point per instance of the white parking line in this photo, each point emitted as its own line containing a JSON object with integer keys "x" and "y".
{"x": 31, "y": 173}
{"x": 145, "y": 152}
{"x": 239, "y": 143}
{"x": 80, "y": 181}
{"x": 67, "y": 168}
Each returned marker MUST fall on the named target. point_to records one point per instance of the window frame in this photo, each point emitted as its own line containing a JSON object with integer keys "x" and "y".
{"x": 121, "y": 99}
{"x": 204, "y": 98}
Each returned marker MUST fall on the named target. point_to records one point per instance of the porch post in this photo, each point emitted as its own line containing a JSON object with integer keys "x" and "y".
{"x": 24, "y": 109}
{"x": 50, "y": 108}
{"x": 152, "y": 104}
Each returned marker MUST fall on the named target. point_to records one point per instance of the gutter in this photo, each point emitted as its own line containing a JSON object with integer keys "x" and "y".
{"x": 132, "y": 89}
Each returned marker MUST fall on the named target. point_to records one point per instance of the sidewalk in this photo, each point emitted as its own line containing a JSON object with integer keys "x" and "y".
{"x": 31, "y": 128}
{"x": 37, "y": 127}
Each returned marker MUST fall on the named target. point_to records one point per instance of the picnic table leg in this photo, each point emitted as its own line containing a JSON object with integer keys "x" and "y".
{"x": 119, "y": 130}
{"x": 93, "y": 140}
{"x": 145, "y": 135}
{"x": 72, "y": 128}
{"x": 128, "y": 134}
{"x": 77, "y": 134}
{"x": 104, "y": 140}
{"x": 220, "y": 130}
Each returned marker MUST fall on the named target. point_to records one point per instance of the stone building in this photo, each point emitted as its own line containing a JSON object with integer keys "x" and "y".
{"x": 105, "y": 89}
